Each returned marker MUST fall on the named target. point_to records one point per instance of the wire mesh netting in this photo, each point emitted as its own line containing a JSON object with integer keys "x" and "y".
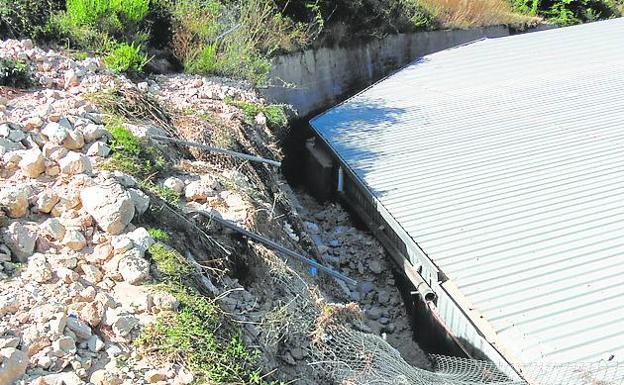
{"x": 351, "y": 357}
{"x": 341, "y": 352}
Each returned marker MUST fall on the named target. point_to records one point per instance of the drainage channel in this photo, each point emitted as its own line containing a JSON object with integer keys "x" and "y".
{"x": 385, "y": 294}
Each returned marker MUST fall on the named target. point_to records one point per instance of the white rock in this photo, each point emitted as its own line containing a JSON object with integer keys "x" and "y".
{"x": 143, "y": 87}
{"x": 92, "y": 313}
{"x": 74, "y": 239}
{"x": 134, "y": 269}
{"x": 39, "y": 269}
{"x": 165, "y": 301}
{"x": 8, "y": 304}
{"x": 21, "y": 240}
{"x": 67, "y": 275}
{"x": 57, "y": 323}
{"x": 98, "y": 149}
{"x": 53, "y": 228}
{"x": 64, "y": 378}
{"x": 14, "y": 364}
{"x": 55, "y": 132}
{"x": 75, "y": 163}
{"x": 124, "y": 325}
{"x": 105, "y": 377}
{"x": 46, "y": 201}
{"x": 71, "y": 79}
{"x": 141, "y": 239}
{"x": 92, "y": 273}
{"x": 14, "y": 200}
{"x": 54, "y": 152}
{"x": 62, "y": 260}
{"x": 74, "y": 140}
{"x": 65, "y": 345}
{"x": 9, "y": 342}
{"x": 122, "y": 243}
{"x": 33, "y": 123}
{"x": 175, "y": 184}
{"x": 140, "y": 199}
{"x": 201, "y": 190}
{"x": 95, "y": 344}
{"x": 110, "y": 205}
{"x": 32, "y": 163}
{"x": 79, "y": 327}
{"x": 93, "y": 132}
{"x": 153, "y": 376}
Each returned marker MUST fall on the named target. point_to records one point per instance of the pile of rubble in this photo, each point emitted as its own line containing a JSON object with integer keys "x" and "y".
{"x": 73, "y": 265}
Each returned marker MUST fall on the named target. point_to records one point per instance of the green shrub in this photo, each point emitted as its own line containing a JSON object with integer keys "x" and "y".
{"x": 159, "y": 234}
{"x": 126, "y": 57}
{"x": 567, "y": 12}
{"x": 26, "y": 18}
{"x": 14, "y": 73}
{"x": 104, "y": 26}
{"x": 91, "y": 12}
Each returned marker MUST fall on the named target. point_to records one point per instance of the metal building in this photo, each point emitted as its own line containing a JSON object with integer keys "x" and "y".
{"x": 497, "y": 169}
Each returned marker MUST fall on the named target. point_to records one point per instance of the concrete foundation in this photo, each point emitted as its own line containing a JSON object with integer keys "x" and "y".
{"x": 314, "y": 79}
{"x": 319, "y": 169}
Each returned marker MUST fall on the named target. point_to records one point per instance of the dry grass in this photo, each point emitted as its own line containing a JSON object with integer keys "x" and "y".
{"x": 473, "y": 13}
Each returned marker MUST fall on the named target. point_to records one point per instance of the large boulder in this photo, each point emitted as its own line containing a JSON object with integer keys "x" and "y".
{"x": 32, "y": 163}
{"x": 133, "y": 268}
{"x": 110, "y": 205}
{"x": 14, "y": 200}
{"x": 75, "y": 163}
{"x": 21, "y": 240}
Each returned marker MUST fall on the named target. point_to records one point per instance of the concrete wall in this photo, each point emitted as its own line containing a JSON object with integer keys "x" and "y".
{"x": 315, "y": 79}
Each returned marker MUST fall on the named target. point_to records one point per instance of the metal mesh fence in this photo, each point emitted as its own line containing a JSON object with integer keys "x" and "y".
{"x": 341, "y": 353}
{"x": 351, "y": 357}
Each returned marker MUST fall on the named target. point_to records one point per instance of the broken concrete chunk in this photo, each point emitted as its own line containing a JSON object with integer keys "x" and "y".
{"x": 110, "y": 205}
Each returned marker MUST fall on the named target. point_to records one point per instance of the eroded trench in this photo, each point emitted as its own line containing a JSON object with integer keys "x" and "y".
{"x": 392, "y": 307}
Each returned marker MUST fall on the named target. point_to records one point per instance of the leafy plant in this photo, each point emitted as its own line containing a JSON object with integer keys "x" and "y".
{"x": 275, "y": 113}
{"x": 91, "y": 12}
{"x": 26, "y": 18}
{"x": 14, "y": 73}
{"x": 159, "y": 234}
{"x": 197, "y": 333}
{"x": 568, "y": 12}
{"x": 126, "y": 57}
{"x": 137, "y": 158}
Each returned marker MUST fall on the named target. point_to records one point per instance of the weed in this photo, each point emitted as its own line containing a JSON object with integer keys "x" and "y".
{"x": 275, "y": 113}
{"x": 126, "y": 57}
{"x": 14, "y": 73}
{"x": 137, "y": 158}
{"x": 159, "y": 234}
{"x": 197, "y": 334}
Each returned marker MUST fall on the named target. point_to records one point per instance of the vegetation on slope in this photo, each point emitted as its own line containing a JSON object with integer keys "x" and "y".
{"x": 236, "y": 38}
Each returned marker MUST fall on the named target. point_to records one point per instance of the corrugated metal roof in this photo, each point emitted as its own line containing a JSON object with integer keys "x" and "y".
{"x": 504, "y": 161}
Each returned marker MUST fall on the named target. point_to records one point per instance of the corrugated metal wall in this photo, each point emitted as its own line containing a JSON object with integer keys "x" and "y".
{"x": 503, "y": 161}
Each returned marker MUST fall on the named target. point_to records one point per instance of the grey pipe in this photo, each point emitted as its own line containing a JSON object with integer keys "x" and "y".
{"x": 235, "y": 154}
{"x": 278, "y": 247}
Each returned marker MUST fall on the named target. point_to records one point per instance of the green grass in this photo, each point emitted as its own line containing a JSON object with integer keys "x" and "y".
{"x": 275, "y": 113}
{"x": 91, "y": 12}
{"x": 137, "y": 158}
{"x": 126, "y": 58}
{"x": 197, "y": 334}
{"x": 159, "y": 234}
